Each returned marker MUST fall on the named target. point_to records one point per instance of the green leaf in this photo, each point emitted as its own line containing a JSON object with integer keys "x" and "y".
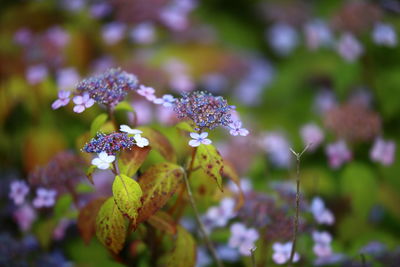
{"x": 211, "y": 162}
{"x": 184, "y": 252}
{"x": 89, "y": 173}
{"x": 131, "y": 160}
{"x": 97, "y": 123}
{"x": 111, "y": 226}
{"x": 160, "y": 143}
{"x": 158, "y": 183}
{"x": 62, "y": 206}
{"x": 124, "y": 106}
{"x": 185, "y": 126}
{"x": 127, "y": 195}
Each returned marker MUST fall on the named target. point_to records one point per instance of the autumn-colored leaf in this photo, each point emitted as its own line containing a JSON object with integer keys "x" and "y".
{"x": 211, "y": 162}
{"x": 111, "y": 226}
{"x": 158, "y": 183}
{"x": 230, "y": 172}
{"x": 163, "y": 222}
{"x": 184, "y": 252}
{"x": 160, "y": 143}
{"x": 131, "y": 160}
{"x": 87, "y": 219}
{"x": 127, "y": 195}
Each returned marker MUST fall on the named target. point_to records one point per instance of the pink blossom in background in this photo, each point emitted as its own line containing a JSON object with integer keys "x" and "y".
{"x": 166, "y": 115}
{"x": 144, "y": 112}
{"x": 384, "y": 34}
{"x": 24, "y": 216}
{"x": 245, "y": 184}
{"x": 283, "y": 38}
{"x": 57, "y": 36}
{"x": 59, "y": 231}
{"x": 182, "y": 83}
{"x": 143, "y": 33}
{"x": 44, "y": 198}
{"x": 324, "y": 101}
{"x": 36, "y": 74}
{"x": 282, "y": 251}
{"x": 312, "y": 135}
{"x": 18, "y": 192}
{"x": 220, "y": 215}
{"x": 236, "y": 129}
{"x": 100, "y": 10}
{"x": 322, "y": 244}
{"x": 147, "y": 92}
{"x": 166, "y": 100}
{"x": 317, "y": 34}
{"x": 73, "y": 5}
{"x": 113, "y": 32}
{"x": 63, "y": 99}
{"x": 383, "y": 151}
{"x": 23, "y": 36}
{"x": 67, "y": 79}
{"x": 338, "y": 154}
{"x": 349, "y": 47}
{"x": 278, "y": 149}
{"x": 175, "y": 15}
{"x": 82, "y": 102}
{"x": 243, "y": 238}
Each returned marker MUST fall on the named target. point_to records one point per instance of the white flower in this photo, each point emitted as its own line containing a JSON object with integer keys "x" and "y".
{"x": 236, "y": 129}
{"x": 141, "y": 141}
{"x": 129, "y": 130}
{"x": 242, "y": 238}
{"x": 199, "y": 139}
{"x": 103, "y": 161}
{"x": 282, "y": 253}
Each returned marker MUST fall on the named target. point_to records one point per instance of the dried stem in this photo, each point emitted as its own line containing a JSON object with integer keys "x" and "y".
{"x": 253, "y": 257}
{"x": 296, "y": 219}
{"x": 196, "y": 212}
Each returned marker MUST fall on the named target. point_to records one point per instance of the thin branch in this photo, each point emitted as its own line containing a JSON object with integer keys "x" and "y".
{"x": 296, "y": 219}
{"x": 253, "y": 257}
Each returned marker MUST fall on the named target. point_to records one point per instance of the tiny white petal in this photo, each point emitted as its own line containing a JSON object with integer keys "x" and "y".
{"x": 195, "y": 135}
{"x": 194, "y": 143}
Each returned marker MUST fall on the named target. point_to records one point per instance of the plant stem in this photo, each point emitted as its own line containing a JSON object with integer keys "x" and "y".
{"x": 112, "y": 118}
{"x": 203, "y": 231}
{"x": 201, "y": 225}
{"x": 296, "y": 219}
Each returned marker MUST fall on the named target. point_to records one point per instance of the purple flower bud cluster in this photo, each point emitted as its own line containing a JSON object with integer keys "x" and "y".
{"x": 110, "y": 87}
{"x": 110, "y": 143}
{"x": 206, "y": 110}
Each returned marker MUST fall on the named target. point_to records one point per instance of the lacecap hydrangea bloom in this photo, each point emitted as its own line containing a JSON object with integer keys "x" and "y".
{"x": 110, "y": 143}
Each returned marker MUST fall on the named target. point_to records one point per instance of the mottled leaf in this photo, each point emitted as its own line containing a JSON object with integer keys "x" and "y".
{"x": 97, "y": 123}
{"x": 87, "y": 219}
{"x": 163, "y": 222}
{"x": 160, "y": 143}
{"x": 210, "y": 161}
{"x": 158, "y": 183}
{"x": 184, "y": 252}
{"x": 111, "y": 226}
{"x": 127, "y": 195}
{"x": 131, "y": 160}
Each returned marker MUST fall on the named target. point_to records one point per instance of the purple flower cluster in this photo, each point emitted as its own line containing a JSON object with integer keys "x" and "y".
{"x": 206, "y": 110}
{"x": 110, "y": 143}
{"x": 110, "y": 87}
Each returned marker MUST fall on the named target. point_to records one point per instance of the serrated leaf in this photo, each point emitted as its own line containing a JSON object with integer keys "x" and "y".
{"x": 124, "y": 106}
{"x": 127, "y": 195}
{"x": 184, "y": 252}
{"x": 131, "y": 160}
{"x": 158, "y": 183}
{"x": 211, "y": 162}
{"x": 230, "y": 172}
{"x": 185, "y": 126}
{"x": 111, "y": 226}
{"x": 163, "y": 222}
{"x": 97, "y": 123}
{"x": 160, "y": 143}
{"x": 87, "y": 219}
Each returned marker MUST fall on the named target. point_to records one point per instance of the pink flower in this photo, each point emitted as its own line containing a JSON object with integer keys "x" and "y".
{"x": 199, "y": 139}
{"x": 113, "y": 32}
{"x": 36, "y": 74}
{"x": 82, "y": 102}
{"x": 143, "y": 33}
{"x": 322, "y": 247}
{"x": 383, "y": 151}
{"x": 63, "y": 100}
{"x": 67, "y": 78}
{"x": 236, "y": 129}
{"x": 242, "y": 238}
{"x": 282, "y": 253}
{"x": 59, "y": 231}
{"x": 349, "y": 47}
{"x": 321, "y": 214}
{"x": 220, "y": 215}
{"x": 338, "y": 153}
{"x": 44, "y": 198}
{"x": 245, "y": 184}
{"x": 25, "y": 216}
{"x": 147, "y": 92}
{"x": 312, "y": 134}
{"x": 18, "y": 192}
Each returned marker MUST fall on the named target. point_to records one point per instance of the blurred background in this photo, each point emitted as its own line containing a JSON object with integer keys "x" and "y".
{"x": 298, "y": 72}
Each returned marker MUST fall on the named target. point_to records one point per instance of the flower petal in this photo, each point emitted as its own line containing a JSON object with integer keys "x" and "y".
{"x": 194, "y": 143}
{"x": 203, "y": 135}
{"x": 79, "y": 108}
{"x": 206, "y": 141}
{"x": 195, "y": 135}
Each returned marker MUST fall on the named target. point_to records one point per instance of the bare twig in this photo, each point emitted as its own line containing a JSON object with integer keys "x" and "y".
{"x": 253, "y": 257}
{"x": 296, "y": 219}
